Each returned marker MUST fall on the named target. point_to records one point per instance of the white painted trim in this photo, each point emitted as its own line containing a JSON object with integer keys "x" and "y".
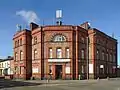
{"x": 58, "y": 60}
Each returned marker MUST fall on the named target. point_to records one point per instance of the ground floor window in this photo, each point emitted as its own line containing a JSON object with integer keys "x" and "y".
{"x": 1, "y": 72}
{"x": 35, "y": 70}
{"x": 5, "y": 72}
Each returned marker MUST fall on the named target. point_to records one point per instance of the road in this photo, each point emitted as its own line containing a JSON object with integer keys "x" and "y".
{"x": 61, "y": 85}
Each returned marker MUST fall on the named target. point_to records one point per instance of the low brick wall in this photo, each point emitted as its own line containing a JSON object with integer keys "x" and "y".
{"x": 9, "y": 77}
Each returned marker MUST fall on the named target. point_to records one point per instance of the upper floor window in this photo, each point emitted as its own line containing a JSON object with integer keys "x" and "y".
{"x": 16, "y": 55}
{"x": 18, "y": 43}
{"x": 15, "y": 43}
{"x": 50, "y": 52}
{"x": 21, "y": 55}
{"x": 2, "y": 65}
{"x": 5, "y": 65}
{"x": 59, "y": 38}
{"x": 107, "y": 57}
{"x": 35, "y": 54}
{"x": 21, "y": 41}
{"x": 83, "y": 69}
{"x": 103, "y": 56}
{"x": 97, "y": 40}
{"x": 110, "y": 57}
{"x": 114, "y": 58}
{"x": 35, "y": 40}
{"x": 82, "y": 54}
{"x": 67, "y": 53}
{"x": 83, "y": 40}
{"x": 97, "y": 54}
{"x": 16, "y": 70}
{"x": 59, "y": 53}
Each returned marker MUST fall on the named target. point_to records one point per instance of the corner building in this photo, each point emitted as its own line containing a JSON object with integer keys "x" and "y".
{"x": 65, "y": 52}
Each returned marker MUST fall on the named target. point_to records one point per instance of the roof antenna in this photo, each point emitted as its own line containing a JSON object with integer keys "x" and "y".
{"x": 112, "y": 35}
{"x": 19, "y": 27}
{"x": 59, "y": 17}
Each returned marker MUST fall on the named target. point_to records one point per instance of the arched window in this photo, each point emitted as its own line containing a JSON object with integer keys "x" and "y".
{"x": 35, "y": 40}
{"x": 15, "y": 43}
{"x": 82, "y": 54}
{"x": 97, "y": 54}
{"x": 82, "y": 39}
{"x": 114, "y": 58}
{"x": 21, "y": 55}
{"x": 20, "y": 41}
{"x": 59, "y": 53}
{"x": 16, "y": 55}
{"x": 110, "y": 57}
{"x": 103, "y": 55}
{"x": 67, "y": 52}
{"x": 50, "y": 52}
{"x": 59, "y": 38}
{"x": 35, "y": 54}
{"x": 107, "y": 57}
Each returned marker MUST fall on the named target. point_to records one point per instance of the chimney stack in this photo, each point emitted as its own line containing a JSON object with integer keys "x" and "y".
{"x": 33, "y": 26}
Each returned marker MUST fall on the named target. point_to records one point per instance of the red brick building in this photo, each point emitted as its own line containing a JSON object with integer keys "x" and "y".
{"x": 65, "y": 52}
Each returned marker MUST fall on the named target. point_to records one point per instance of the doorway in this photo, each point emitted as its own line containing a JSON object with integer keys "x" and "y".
{"x": 58, "y": 71}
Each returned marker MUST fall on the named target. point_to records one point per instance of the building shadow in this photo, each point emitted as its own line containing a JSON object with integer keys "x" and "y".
{"x": 11, "y": 83}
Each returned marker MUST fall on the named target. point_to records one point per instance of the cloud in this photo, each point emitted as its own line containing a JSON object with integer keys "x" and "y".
{"x": 28, "y": 16}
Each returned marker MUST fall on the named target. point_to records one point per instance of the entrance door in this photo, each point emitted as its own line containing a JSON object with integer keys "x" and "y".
{"x": 58, "y": 72}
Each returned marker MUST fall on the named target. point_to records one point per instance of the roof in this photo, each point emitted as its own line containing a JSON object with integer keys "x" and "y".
{"x": 104, "y": 34}
{"x": 7, "y": 59}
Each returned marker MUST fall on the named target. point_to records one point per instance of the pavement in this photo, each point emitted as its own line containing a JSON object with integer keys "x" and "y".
{"x": 102, "y": 84}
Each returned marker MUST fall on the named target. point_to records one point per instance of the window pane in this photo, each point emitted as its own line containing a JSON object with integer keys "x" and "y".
{"x": 107, "y": 56}
{"x": 50, "y": 53}
{"x": 21, "y": 55}
{"x": 82, "y": 69}
{"x": 16, "y": 55}
{"x": 21, "y": 70}
{"x": 18, "y": 42}
{"x": 67, "y": 52}
{"x": 15, "y": 43}
{"x": 21, "y": 41}
{"x": 35, "y": 54}
{"x": 58, "y": 38}
{"x": 110, "y": 57}
{"x": 82, "y": 52}
{"x": 103, "y": 56}
{"x": 83, "y": 40}
{"x": 59, "y": 53}
{"x": 35, "y": 40}
{"x": 97, "y": 54}
{"x": 113, "y": 58}
{"x": 97, "y": 69}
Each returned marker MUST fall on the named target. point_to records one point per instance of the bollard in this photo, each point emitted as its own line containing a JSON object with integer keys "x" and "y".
{"x": 47, "y": 80}
{"x": 98, "y": 78}
{"x": 108, "y": 78}
{"x": 79, "y": 76}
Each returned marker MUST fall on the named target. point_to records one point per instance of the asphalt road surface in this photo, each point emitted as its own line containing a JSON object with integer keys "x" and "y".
{"x": 113, "y": 84}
